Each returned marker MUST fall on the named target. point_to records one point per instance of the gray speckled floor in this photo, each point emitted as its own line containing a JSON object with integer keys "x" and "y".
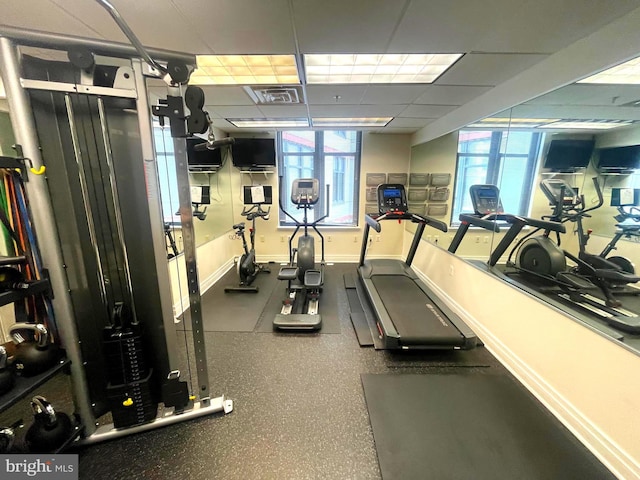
{"x": 299, "y": 410}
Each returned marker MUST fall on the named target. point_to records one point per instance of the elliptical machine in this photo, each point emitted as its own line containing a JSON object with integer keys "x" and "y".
{"x": 247, "y": 267}
{"x": 304, "y": 280}
{"x": 607, "y": 274}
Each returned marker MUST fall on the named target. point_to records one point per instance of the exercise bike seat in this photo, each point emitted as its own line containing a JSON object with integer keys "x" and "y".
{"x": 288, "y": 273}
{"x": 617, "y": 276}
{"x": 313, "y": 278}
{"x": 238, "y": 226}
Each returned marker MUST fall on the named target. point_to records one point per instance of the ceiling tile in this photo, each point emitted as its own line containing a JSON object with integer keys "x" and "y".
{"x": 396, "y": 94}
{"x": 401, "y": 122}
{"x": 449, "y": 95}
{"x": 228, "y": 95}
{"x": 427, "y": 111}
{"x": 543, "y": 26}
{"x": 584, "y": 112}
{"x": 45, "y": 15}
{"x": 235, "y": 111}
{"x": 152, "y": 32}
{"x": 248, "y": 26}
{"x": 487, "y": 69}
{"x": 283, "y": 111}
{"x": 586, "y": 94}
{"x": 326, "y": 94}
{"x": 355, "y": 110}
{"x": 336, "y": 26}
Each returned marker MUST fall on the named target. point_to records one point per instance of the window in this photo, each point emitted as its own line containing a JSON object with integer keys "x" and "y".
{"x": 506, "y": 159}
{"x": 333, "y": 157}
{"x": 167, "y": 174}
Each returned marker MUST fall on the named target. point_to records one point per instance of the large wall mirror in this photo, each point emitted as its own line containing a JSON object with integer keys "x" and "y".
{"x": 210, "y": 182}
{"x": 584, "y": 140}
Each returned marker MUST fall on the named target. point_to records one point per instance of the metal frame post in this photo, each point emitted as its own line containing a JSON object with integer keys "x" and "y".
{"x": 43, "y": 217}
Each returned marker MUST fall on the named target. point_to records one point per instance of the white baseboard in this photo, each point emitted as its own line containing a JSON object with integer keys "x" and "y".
{"x": 329, "y": 259}
{"x": 622, "y": 464}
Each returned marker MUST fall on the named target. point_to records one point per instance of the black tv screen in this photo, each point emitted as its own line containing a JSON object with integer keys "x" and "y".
{"x": 569, "y": 154}
{"x": 254, "y": 153}
{"x": 202, "y": 160}
{"x": 623, "y": 158}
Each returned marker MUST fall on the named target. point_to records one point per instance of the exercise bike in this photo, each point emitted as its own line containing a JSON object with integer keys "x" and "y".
{"x": 628, "y": 226}
{"x": 304, "y": 280}
{"x": 247, "y": 267}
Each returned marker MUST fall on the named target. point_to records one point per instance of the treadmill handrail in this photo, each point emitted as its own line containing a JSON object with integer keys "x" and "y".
{"x": 480, "y": 222}
{"x": 414, "y": 217}
{"x": 532, "y": 222}
{"x": 373, "y": 223}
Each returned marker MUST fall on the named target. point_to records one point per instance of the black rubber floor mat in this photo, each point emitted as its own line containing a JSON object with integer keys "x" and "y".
{"x": 234, "y": 312}
{"x": 470, "y": 426}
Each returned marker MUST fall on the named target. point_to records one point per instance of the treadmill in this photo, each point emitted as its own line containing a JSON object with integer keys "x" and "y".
{"x": 408, "y": 315}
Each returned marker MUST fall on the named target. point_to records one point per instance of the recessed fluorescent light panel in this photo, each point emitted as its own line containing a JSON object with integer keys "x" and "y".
{"x": 351, "y": 122}
{"x": 268, "y": 122}
{"x": 505, "y": 122}
{"x": 627, "y": 73}
{"x": 377, "y": 68}
{"x": 245, "y": 70}
{"x": 586, "y": 125}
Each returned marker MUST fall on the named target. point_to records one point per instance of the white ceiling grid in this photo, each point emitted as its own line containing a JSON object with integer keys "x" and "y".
{"x": 499, "y": 40}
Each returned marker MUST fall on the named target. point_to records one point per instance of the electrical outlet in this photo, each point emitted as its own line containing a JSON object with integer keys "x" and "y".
{"x": 477, "y": 239}
{"x": 355, "y": 239}
{"x": 261, "y": 238}
{"x": 378, "y": 239}
{"x": 329, "y": 238}
{"x": 281, "y": 238}
{"x": 486, "y": 239}
{"x": 428, "y": 238}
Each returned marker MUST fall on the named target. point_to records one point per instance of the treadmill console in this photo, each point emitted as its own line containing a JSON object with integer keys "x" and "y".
{"x": 485, "y": 199}
{"x": 305, "y": 191}
{"x": 392, "y": 198}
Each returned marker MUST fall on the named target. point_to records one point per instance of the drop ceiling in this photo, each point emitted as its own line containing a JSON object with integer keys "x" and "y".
{"x": 500, "y": 39}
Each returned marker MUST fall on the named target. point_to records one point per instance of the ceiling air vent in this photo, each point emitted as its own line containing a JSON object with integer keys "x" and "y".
{"x": 277, "y": 95}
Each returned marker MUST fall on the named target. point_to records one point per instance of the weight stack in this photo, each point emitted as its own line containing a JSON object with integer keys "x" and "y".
{"x": 124, "y": 355}
{"x": 131, "y": 403}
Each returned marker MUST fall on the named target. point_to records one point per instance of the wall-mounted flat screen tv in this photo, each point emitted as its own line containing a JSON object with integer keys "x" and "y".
{"x": 619, "y": 158}
{"x": 568, "y": 155}
{"x": 202, "y": 160}
{"x": 254, "y": 153}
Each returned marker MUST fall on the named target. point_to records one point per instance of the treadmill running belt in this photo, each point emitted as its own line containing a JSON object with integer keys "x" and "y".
{"x": 413, "y": 313}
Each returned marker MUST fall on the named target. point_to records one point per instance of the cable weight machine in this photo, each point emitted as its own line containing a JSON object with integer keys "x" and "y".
{"x": 87, "y": 120}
